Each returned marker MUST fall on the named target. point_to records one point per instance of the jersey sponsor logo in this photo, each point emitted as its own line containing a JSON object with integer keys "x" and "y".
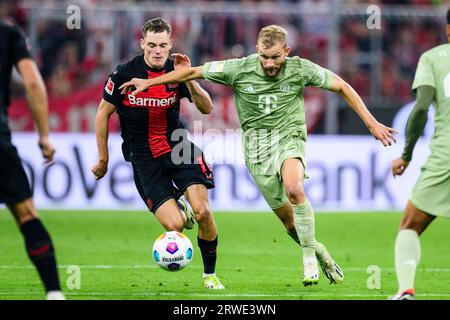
{"x": 152, "y": 102}
{"x": 216, "y": 66}
{"x": 266, "y": 102}
{"x": 109, "y": 88}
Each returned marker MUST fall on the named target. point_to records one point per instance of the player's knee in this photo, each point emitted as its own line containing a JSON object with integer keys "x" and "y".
{"x": 406, "y": 222}
{"x": 202, "y": 211}
{"x": 295, "y": 193}
{"x": 411, "y": 223}
{"x": 24, "y": 211}
{"x": 173, "y": 225}
{"x": 414, "y": 219}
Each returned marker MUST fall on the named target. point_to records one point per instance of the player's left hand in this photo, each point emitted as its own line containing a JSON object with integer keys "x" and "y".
{"x": 47, "y": 149}
{"x": 385, "y": 134}
{"x": 181, "y": 61}
{"x": 399, "y": 166}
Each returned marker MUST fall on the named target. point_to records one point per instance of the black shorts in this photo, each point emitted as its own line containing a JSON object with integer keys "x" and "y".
{"x": 14, "y": 186}
{"x": 161, "y": 179}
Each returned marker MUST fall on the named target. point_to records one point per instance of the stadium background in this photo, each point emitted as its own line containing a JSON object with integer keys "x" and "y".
{"x": 349, "y": 170}
{"x": 378, "y": 63}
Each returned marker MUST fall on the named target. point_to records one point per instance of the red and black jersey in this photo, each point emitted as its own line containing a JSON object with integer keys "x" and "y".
{"x": 13, "y": 48}
{"x": 148, "y": 119}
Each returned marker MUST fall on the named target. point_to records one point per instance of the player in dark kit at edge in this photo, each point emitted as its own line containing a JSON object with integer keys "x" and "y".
{"x": 15, "y": 190}
{"x": 164, "y": 167}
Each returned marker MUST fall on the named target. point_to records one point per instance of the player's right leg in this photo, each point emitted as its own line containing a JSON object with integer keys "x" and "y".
{"x": 292, "y": 174}
{"x": 15, "y": 192}
{"x": 273, "y": 190}
{"x": 407, "y": 249}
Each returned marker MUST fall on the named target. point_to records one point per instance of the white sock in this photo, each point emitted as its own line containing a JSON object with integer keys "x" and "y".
{"x": 305, "y": 226}
{"x": 322, "y": 252}
{"x": 407, "y": 257}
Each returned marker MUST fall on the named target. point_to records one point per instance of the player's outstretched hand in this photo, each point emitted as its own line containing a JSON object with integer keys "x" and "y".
{"x": 47, "y": 149}
{"x": 181, "y": 61}
{"x": 385, "y": 134}
{"x": 135, "y": 85}
{"x": 99, "y": 169}
{"x": 399, "y": 166}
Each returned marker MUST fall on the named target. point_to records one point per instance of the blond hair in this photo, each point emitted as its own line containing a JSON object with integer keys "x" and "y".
{"x": 271, "y": 35}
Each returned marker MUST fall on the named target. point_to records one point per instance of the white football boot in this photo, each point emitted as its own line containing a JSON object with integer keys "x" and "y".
{"x": 310, "y": 272}
{"x": 332, "y": 270}
{"x": 190, "y": 220}
{"x": 212, "y": 282}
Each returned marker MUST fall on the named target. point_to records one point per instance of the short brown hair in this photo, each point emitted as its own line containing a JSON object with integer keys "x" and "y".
{"x": 271, "y": 35}
{"x": 156, "y": 25}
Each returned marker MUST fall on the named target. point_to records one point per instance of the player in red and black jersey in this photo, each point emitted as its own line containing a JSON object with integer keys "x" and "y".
{"x": 15, "y": 189}
{"x": 165, "y": 164}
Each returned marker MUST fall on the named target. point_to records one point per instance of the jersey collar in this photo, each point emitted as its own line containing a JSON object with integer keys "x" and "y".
{"x": 147, "y": 67}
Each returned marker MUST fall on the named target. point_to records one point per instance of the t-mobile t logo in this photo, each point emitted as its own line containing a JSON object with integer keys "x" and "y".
{"x": 266, "y": 102}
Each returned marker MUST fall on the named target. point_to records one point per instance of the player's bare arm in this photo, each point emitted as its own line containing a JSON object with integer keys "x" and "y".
{"x": 184, "y": 74}
{"x": 105, "y": 110}
{"x": 38, "y": 104}
{"x": 379, "y": 131}
{"x": 414, "y": 128}
{"x": 199, "y": 96}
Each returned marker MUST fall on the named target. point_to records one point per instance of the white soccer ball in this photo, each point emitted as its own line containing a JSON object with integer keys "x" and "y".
{"x": 172, "y": 251}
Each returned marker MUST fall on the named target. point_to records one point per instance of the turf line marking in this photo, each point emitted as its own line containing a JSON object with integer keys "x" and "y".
{"x": 348, "y": 269}
{"x": 226, "y": 295}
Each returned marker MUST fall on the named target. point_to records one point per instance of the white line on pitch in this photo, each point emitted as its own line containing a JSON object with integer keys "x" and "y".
{"x": 350, "y": 269}
{"x": 226, "y": 295}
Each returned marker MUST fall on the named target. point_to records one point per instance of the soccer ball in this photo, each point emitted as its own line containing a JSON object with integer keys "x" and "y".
{"x": 172, "y": 251}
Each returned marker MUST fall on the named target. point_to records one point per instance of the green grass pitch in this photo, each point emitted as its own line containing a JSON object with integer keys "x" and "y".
{"x": 256, "y": 258}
